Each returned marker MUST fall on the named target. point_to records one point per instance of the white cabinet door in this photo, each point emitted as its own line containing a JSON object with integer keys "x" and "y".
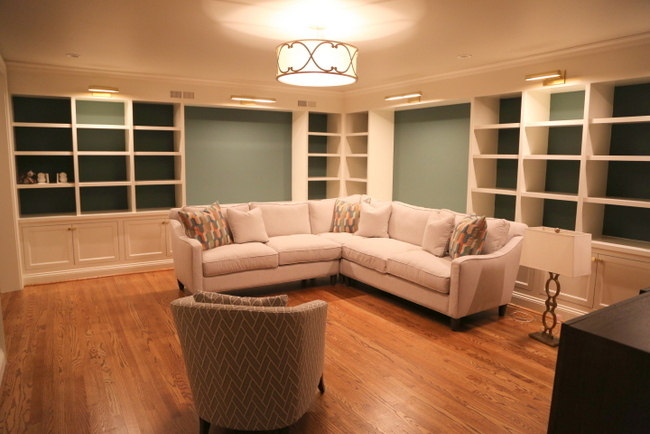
{"x": 619, "y": 278}
{"x": 145, "y": 239}
{"x": 168, "y": 238}
{"x": 48, "y": 246}
{"x": 96, "y": 242}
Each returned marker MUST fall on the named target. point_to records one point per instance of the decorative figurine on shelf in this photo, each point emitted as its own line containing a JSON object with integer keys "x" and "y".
{"x": 62, "y": 177}
{"x": 43, "y": 178}
{"x": 27, "y": 178}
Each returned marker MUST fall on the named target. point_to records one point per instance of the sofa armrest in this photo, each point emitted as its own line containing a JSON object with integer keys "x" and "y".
{"x": 480, "y": 282}
{"x": 187, "y": 254}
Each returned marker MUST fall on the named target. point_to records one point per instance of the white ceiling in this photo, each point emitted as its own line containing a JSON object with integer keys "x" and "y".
{"x": 235, "y": 40}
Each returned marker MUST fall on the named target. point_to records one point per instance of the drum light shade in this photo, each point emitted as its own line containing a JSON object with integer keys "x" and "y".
{"x": 316, "y": 63}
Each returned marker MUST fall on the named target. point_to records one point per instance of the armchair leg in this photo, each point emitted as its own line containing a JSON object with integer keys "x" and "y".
{"x": 502, "y": 310}
{"x": 455, "y": 324}
{"x": 321, "y": 385}
{"x": 204, "y": 426}
{"x": 180, "y": 285}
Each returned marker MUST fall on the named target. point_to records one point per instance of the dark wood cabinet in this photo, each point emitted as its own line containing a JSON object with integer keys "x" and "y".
{"x": 602, "y": 378}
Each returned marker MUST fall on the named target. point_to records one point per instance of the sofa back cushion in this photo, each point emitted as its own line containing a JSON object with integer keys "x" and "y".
{"x": 321, "y": 215}
{"x": 407, "y": 222}
{"x": 284, "y": 218}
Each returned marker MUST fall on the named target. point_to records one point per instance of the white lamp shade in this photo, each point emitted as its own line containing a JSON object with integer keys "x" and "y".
{"x": 567, "y": 253}
{"x": 315, "y": 62}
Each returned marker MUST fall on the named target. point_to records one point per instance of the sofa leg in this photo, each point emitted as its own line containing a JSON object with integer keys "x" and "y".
{"x": 455, "y": 324}
{"x": 321, "y": 385}
{"x": 333, "y": 279}
{"x": 180, "y": 285}
{"x": 204, "y": 426}
{"x": 502, "y": 310}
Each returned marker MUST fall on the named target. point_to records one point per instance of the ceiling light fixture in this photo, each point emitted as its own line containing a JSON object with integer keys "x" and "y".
{"x": 317, "y": 63}
{"x": 410, "y": 97}
{"x": 251, "y": 99}
{"x": 550, "y": 78}
{"x": 102, "y": 91}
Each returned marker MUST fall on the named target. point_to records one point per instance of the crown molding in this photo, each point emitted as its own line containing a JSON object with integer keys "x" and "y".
{"x": 607, "y": 45}
{"x": 90, "y": 72}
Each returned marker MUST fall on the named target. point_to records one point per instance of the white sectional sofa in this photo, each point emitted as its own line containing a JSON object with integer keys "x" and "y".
{"x": 398, "y": 248}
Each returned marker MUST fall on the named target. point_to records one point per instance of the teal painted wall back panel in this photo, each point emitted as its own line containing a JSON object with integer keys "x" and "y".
{"x": 236, "y": 155}
{"x": 431, "y": 155}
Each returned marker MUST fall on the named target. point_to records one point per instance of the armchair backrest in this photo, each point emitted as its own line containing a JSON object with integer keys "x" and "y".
{"x": 251, "y": 367}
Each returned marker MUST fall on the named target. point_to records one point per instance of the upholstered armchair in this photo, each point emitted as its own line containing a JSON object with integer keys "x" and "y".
{"x": 252, "y": 363}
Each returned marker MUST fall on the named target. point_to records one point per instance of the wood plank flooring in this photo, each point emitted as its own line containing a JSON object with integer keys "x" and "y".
{"x": 101, "y": 355}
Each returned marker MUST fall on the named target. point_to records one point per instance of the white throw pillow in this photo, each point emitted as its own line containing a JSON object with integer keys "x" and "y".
{"x": 373, "y": 222}
{"x": 437, "y": 234}
{"x": 247, "y": 226}
{"x": 497, "y": 235}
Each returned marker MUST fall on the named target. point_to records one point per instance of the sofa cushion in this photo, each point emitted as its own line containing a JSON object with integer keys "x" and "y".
{"x": 469, "y": 236}
{"x": 284, "y": 218}
{"x": 293, "y": 249}
{"x": 374, "y": 252}
{"x": 321, "y": 215}
{"x": 423, "y": 268}
{"x": 341, "y": 238}
{"x": 234, "y": 258}
{"x": 407, "y": 222}
{"x": 247, "y": 226}
{"x": 208, "y": 226}
{"x": 373, "y": 221}
{"x": 437, "y": 233}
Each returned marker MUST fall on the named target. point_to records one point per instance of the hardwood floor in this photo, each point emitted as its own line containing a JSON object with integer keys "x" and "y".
{"x": 101, "y": 355}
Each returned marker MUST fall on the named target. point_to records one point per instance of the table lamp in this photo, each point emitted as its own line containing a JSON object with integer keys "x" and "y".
{"x": 557, "y": 251}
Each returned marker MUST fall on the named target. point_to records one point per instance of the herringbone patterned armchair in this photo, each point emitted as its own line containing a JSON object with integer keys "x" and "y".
{"x": 253, "y": 363}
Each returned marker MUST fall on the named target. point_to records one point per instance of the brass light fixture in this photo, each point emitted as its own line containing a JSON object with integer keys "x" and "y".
{"x": 249, "y": 100}
{"x": 102, "y": 91}
{"x": 550, "y": 78}
{"x": 410, "y": 97}
{"x": 317, "y": 63}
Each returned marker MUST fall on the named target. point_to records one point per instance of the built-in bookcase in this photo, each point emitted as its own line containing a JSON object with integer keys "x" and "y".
{"x": 332, "y": 154}
{"x": 96, "y": 156}
{"x": 324, "y": 155}
{"x": 495, "y": 149}
{"x": 574, "y": 157}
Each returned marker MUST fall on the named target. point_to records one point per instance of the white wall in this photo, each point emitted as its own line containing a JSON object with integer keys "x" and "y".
{"x": 10, "y": 271}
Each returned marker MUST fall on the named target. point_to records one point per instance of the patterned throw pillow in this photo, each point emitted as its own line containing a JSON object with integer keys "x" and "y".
{"x": 469, "y": 236}
{"x": 346, "y": 216}
{"x": 209, "y": 226}
{"x": 217, "y": 298}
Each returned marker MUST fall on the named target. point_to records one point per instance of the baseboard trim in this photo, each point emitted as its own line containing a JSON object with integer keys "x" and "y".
{"x": 83, "y": 273}
{"x": 537, "y": 305}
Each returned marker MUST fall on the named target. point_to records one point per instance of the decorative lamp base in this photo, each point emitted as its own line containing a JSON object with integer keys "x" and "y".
{"x": 545, "y": 338}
